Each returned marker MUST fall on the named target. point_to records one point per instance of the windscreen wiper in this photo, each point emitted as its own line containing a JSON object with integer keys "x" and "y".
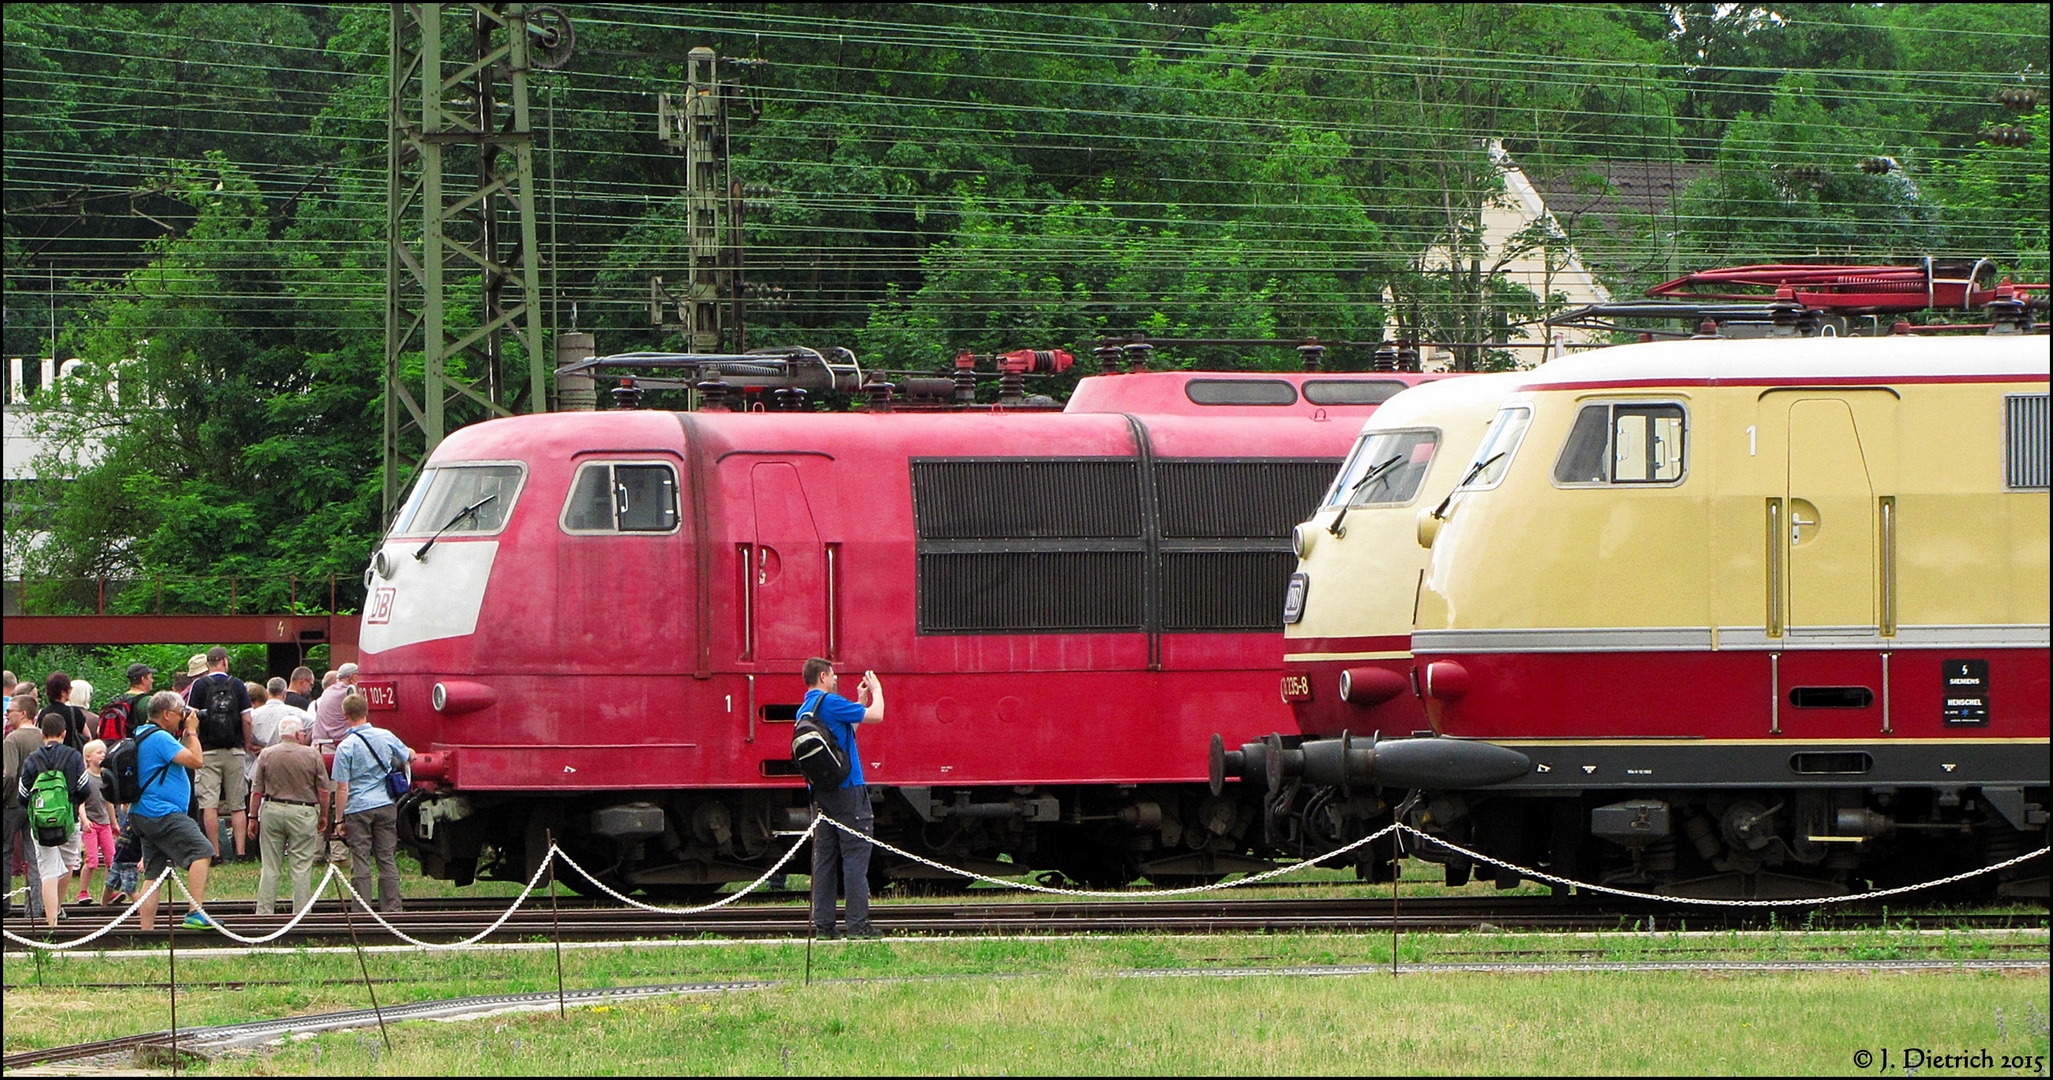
{"x": 1347, "y": 502}
{"x": 467, "y": 511}
{"x": 1440, "y": 511}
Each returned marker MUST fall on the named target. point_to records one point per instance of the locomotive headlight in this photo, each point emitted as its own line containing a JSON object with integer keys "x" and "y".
{"x": 453, "y": 698}
{"x": 1301, "y": 540}
{"x": 1371, "y": 685}
{"x": 1446, "y": 680}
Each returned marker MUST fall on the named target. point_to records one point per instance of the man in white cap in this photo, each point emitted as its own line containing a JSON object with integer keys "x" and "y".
{"x": 329, "y": 723}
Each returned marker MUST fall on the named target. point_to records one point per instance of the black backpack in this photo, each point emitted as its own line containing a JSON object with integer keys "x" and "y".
{"x": 816, "y": 751}
{"x": 220, "y": 720}
{"x": 121, "y": 773}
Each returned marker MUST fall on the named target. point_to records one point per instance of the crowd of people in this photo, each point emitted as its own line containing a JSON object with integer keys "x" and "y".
{"x": 210, "y": 741}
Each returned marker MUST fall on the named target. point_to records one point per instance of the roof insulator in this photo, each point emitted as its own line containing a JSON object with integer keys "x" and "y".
{"x": 2007, "y": 135}
{"x": 628, "y": 395}
{"x": 1878, "y": 165}
{"x": 2018, "y": 98}
{"x": 712, "y": 395}
{"x": 1311, "y": 352}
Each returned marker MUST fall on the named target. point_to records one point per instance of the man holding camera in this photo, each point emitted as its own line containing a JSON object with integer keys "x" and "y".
{"x": 159, "y": 818}
{"x": 834, "y": 849}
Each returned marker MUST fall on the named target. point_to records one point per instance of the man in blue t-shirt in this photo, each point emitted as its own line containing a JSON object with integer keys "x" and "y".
{"x": 849, "y": 804}
{"x": 168, "y": 834}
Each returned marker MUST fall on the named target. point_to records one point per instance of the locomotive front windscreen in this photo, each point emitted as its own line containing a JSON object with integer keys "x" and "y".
{"x": 1385, "y": 469}
{"x": 443, "y": 495}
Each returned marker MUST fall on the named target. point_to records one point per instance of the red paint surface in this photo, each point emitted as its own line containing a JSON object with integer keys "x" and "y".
{"x": 1327, "y": 714}
{"x": 1727, "y": 695}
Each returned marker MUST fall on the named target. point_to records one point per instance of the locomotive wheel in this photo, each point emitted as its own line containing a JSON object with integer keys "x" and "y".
{"x": 584, "y": 886}
{"x": 1185, "y": 881}
{"x": 1100, "y": 873}
{"x": 682, "y": 894}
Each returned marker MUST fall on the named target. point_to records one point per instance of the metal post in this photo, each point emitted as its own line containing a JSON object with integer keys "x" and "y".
{"x": 172, "y": 951}
{"x": 556, "y": 927}
{"x": 1396, "y": 877}
{"x": 349, "y": 916}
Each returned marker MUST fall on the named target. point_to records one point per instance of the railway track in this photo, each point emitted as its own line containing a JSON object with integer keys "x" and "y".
{"x": 449, "y": 921}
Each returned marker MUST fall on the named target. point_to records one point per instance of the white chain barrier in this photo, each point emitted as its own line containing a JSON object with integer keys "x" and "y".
{"x": 776, "y": 868}
{"x": 1525, "y": 872}
{"x": 1032, "y": 886}
{"x": 1537, "y": 875}
{"x": 466, "y": 942}
{"x": 96, "y": 935}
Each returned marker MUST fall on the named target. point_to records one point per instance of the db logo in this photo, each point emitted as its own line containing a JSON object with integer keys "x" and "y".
{"x": 379, "y": 612}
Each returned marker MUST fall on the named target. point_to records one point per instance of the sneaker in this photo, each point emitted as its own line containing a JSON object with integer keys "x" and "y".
{"x": 84, "y": 898}
{"x": 198, "y": 920}
{"x": 114, "y": 899}
{"x": 865, "y": 932}
{"x": 63, "y": 915}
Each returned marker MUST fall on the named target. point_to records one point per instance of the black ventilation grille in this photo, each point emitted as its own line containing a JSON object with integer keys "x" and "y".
{"x": 2024, "y": 442}
{"x": 1252, "y": 500}
{"x": 1046, "y": 498}
{"x": 1028, "y": 592}
{"x": 1224, "y": 590}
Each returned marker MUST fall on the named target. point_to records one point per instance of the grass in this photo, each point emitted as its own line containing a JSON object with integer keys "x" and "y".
{"x": 63, "y": 999}
{"x": 1065, "y": 1024}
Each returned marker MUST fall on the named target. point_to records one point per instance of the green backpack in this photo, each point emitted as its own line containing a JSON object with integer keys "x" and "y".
{"x": 50, "y": 810}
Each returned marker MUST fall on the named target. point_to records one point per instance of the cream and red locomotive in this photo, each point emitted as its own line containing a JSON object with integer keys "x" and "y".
{"x": 1712, "y": 617}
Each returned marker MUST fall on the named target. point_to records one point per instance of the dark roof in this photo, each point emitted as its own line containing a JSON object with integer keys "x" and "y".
{"x": 1597, "y": 194}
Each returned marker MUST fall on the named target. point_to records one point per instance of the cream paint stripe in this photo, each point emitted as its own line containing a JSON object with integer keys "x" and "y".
{"x": 1703, "y": 740}
{"x": 1287, "y": 657}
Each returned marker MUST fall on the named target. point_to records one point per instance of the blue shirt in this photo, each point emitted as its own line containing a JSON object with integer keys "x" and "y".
{"x": 840, "y": 716}
{"x": 170, "y": 793}
{"x": 356, "y": 766}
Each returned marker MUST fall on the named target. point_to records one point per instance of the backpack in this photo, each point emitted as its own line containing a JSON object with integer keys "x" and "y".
{"x": 220, "y": 720}
{"x": 117, "y": 716}
{"x": 121, "y": 773}
{"x": 397, "y": 783}
{"x": 816, "y": 751}
{"x": 50, "y": 811}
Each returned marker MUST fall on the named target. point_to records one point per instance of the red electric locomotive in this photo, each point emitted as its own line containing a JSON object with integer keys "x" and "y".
{"x": 592, "y": 624}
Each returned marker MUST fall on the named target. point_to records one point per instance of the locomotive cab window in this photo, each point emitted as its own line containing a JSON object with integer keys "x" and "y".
{"x": 1624, "y": 443}
{"x": 459, "y": 500}
{"x": 1386, "y": 469}
{"x": 1493, "y": 458}
{"x": 617, "y": 497}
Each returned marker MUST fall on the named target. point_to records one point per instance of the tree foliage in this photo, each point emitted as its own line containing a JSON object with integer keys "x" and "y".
{"x": 195, "y": 195}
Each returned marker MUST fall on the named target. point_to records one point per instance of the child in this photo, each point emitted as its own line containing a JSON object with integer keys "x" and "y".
{"x": 96, "y": 828}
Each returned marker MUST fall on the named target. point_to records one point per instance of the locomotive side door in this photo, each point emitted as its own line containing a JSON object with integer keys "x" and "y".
{"x": 1837, "y": 537}
{"x": 786, "y": 571}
